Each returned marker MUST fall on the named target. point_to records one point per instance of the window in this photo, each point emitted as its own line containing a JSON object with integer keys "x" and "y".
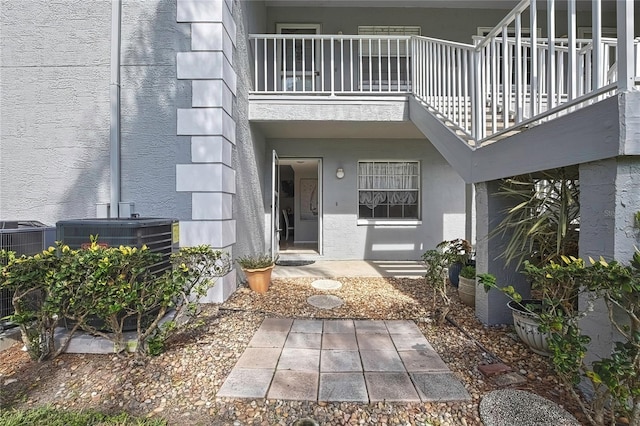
{"x": 388, "y": 189}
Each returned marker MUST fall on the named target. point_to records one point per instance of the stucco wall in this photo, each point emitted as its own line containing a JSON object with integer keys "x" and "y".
{"x": 54, "y": 107}
{"x": 456, "y": 24}
{"x": 54, "y": 161}
{"x": 150, "y": 96}
{"x": 443, "y": 198}
{"x": 250, "y": 155}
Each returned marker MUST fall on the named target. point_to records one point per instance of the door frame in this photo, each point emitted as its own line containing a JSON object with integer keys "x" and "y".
{"x": 314, "y": 74}
{"x": 319, "y": 175}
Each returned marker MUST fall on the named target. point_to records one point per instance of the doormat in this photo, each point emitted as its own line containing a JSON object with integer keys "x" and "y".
{"x": 295, "y": 262}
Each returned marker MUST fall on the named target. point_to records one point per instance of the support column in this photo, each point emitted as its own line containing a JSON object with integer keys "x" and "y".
{"x": 491, "y": 307}
{"x": 209, "y": 177}
{"x": 609, "y": 200}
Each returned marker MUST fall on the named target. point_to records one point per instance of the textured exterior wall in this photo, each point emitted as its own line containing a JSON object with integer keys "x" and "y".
{"x": 150, "y": 94}
{"x": 54, "y": 108}
{"x": 443, "y": 198}
{"x": 250, "y": 156}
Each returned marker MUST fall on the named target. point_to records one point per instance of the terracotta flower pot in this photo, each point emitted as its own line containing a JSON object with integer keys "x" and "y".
{"x": 259, "y": 279}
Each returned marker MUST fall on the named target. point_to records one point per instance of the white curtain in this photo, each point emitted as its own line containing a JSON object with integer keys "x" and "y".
{"x": 387, "y": 182}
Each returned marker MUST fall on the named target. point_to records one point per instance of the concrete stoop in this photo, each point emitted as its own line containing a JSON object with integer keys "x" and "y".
{"x": 516, "y": 407}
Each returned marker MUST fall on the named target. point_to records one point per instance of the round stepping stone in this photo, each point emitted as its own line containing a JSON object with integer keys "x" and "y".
{"x": 326, "y": 284}
{"x": 325, "y": 302}
{"x": 515, "y": 407}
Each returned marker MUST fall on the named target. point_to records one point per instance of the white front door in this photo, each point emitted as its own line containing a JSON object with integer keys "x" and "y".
{"x": 275, "y": 205}
{"x": 299, "y": 58}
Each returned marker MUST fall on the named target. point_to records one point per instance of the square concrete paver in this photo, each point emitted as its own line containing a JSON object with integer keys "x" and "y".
{"x": 341, "y": 360}
{"x": 336, "y": 360}
{"x": 259, "y": 358}
{"x": 394, "y": 387}
{"x": 303, "y": 341}
{"x": 381, "y": 361}
{"x": 439, "y": 387}
{"x": 306, "y": 326}
{"x": 276, "y": 324}
{"x": 342, "y": 387}
{"x": 403, "y": 327}
{"x": 374, "y": 341}
{"x": 370, "y": 326}
{"x": 246, "y": 383}
{"x": 294, "y": 385}
{"x": 268, "y": 339}
{"x": 299, "y": 359}
{"x": 422, "y": 361}
{"x": 345, "y": 341}
{"x": 410, "y": 342}
{"x": 338, "y": 326}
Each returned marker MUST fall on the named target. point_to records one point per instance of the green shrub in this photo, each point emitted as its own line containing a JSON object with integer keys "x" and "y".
{"x": 110, "y": 284}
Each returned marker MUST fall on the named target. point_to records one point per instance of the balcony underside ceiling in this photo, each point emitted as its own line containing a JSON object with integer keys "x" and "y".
{"x": 338, "y": 130}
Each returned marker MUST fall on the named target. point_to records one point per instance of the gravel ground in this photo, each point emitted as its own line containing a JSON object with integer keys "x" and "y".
{"x": 181, "y": 384}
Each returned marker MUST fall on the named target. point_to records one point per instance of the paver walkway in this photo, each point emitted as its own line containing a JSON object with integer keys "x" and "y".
{"x": 341, "y": 360}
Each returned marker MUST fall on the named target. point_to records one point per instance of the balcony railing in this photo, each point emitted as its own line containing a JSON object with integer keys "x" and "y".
{"x": 331, "y": 64}
{"x": 507, "y": 80}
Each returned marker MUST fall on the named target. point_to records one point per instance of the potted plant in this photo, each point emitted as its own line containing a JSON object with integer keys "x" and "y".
{"x": 467, "y": 285}
{"x": 457, "y": 254}
{"x": 257, "y": 269}
{"x": 557, "y": 286}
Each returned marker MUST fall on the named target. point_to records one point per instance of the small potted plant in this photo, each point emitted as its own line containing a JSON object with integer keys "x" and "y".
{"x": 257, "y": 269}
{"x": 457, "y": 254}
{"x": 467, "y": 285}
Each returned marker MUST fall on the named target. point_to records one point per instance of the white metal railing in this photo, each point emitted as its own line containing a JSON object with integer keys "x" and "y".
{"x": 507, "y": 79}
{"x": 331, "y": 64}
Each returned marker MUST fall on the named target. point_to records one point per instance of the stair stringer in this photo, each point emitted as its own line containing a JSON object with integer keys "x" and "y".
{"x": 589, "y": 134}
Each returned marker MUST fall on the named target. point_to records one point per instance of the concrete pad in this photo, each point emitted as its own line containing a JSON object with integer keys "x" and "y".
{"x": 370, "y": 326}
{"x": 403, "y": 327}
{"x": 441, "y": 387}
{"x": 259, "y": 358}
{"x": 303, "y": 341}
{"x": 375, "y": 341}
{"x": 343, "y": 387}
{"x": 276, "y": 324}
{"x": 326, "y": 284}
{"x": 340, "y": 361}
{"x": 268, "y": 339}
{"x": 322, "y": 301}
{"x": 339, "y": 326}
{"x": 307, "y": 326}
{"x": 391, "y": 387}
{"x": 409, "y": 342}
{"x": 516, "y": 407}
{"x": 422, "y": 361}
{"x": 299, "y": 359}
{"x": 246, "y": 383}
{"x": 352, "y": 268}
{"x": 294, "y": 385}
{"x": 388, "y": 361}
{"x": 339, "y": 341}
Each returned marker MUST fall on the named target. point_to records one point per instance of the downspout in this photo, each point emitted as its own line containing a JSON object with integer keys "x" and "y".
{"x": 114, "y": 98}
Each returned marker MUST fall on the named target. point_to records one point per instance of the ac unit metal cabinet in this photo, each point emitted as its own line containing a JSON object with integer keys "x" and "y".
{"x": 160, "y": 235}
{"x": 24, "y": 237}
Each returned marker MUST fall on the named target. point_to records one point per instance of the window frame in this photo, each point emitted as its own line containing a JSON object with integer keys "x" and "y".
{"x": 395, "y": 221}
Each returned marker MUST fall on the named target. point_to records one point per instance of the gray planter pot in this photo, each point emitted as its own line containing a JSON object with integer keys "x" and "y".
{"x": 467, "y": 291}
{"x": 526, "y": 325}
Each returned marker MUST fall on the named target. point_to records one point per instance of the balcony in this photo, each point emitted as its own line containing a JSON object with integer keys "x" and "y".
{"x": 505, "y": 82}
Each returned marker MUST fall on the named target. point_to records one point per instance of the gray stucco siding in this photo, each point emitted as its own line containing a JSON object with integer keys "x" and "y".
{"x": 442, "y": 198}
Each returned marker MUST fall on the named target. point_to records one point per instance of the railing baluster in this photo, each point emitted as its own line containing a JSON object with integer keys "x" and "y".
{"x": 304, "y": 65}
{"x": 332, "y": 49}
{"x": 398, "y": 62}
{"x": 533, "y": 28}
{"x": 572, "y": 65}
{"x": 342, "y": 64}
{"x": 551, "y": 54}
{"x": 518, "y": 69}
{"x": 313, "y": 65}
{"x": 351, "y": 59}
{"x": 506, "y": 77}
{"x": 596, "y": 23}
{"x": 275, "y": 64}
{"x": 370, "y": 68}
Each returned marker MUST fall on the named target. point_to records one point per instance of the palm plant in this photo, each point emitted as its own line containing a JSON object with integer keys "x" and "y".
{"x": 544, "y": 222}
